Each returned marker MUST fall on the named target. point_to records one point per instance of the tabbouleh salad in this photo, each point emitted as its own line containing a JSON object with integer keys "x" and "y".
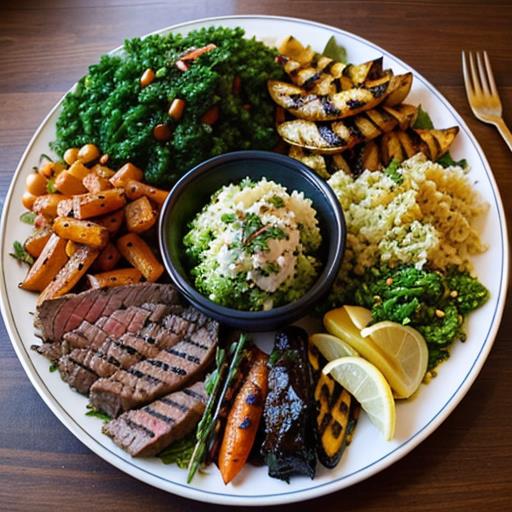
{"x": 112, "y": 109}
{"x": 254, "y": 246}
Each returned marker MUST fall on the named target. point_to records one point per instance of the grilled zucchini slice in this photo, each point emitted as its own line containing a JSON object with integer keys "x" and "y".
{"x": 338, "y": 136}
{"x": 329, "y": 107}
{"x": 438, "y": 141}
{"x": 323, "y": 165}
{"x": 333, "y": 412}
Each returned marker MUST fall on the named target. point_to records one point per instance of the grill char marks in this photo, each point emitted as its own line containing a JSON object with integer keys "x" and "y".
{"x": 171, "y": 369}
{"x": 117, "y": 353}
{"x": 55, "y": 317}
{"x": 92, "y": 336}
{"x": 147, "y": 431}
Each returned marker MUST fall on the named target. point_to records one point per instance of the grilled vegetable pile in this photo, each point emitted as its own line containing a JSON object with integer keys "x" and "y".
{"x": 338, "y": 116}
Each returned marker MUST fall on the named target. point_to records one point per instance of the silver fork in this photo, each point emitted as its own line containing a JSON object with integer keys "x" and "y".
{"x": 482, "y": 93}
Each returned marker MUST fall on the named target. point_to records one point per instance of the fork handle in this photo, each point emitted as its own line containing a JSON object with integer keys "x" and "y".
{"x": 504, "y": 131}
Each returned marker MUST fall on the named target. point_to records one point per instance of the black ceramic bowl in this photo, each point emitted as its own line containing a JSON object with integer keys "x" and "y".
{"x": 195, "y": 189}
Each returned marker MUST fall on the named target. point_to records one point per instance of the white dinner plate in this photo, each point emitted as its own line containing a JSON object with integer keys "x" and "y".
{"x": 368, "y": 453}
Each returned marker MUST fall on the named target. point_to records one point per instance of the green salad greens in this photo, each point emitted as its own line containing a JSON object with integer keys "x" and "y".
{"x": 111, "y": 109}
{"x": 254, "y": 246}
{"x": 432, "y": 302}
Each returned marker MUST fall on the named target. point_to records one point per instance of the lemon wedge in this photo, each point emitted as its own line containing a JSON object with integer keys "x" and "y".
{"x": 403, "y": 367}
{"x": 360, "y": 317}
{"x": 332, "y": 347}
{"x": 406, "y": 349}
{"x": 369, "y": 387}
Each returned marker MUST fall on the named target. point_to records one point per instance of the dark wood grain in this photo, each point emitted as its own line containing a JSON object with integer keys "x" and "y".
{"x": 45, "y": 46}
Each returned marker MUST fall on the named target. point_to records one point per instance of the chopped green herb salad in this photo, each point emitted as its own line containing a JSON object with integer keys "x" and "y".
{"x": 218, "y": 74}
{"x": 254, "y": 246}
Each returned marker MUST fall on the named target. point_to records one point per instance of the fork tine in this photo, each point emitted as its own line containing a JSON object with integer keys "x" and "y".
{"x": 474, "y": 77}
{"x": 482, "y": 73}
{"x": 490, "y": 74}
{"x": 467, "y": 80}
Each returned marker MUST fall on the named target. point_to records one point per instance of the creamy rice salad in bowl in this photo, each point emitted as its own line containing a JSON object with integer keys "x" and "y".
{"x": 252, "y": 238}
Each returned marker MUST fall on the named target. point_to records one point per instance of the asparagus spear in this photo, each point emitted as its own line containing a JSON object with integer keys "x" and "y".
{"x": 218, "y": 385}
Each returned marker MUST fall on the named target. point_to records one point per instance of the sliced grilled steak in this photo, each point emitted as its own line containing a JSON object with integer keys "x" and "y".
{"x": 122, "y": 352}
{"x": 147, "y": 431}
{"x": 152, "y": 378}
{"x": 74, "y": 366}
{"x": 57, "y": 316}
{"x": 112, "y": 355}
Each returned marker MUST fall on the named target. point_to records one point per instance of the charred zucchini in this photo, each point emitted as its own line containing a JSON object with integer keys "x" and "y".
{"x": 338, "y": 136}
{"x": 331, "y": 106}
{"x": 289, "y": 413}
{"x": 323, "y": 165}
{"x": 319, "y": 74}
{"x": 333, "y": 412}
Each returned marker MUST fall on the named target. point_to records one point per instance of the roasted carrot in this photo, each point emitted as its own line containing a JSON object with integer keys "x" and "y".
{"x": 68, "y": 184}
{"x": 49, "y": 263}
{"x": 95, "y": 183}
{"x": 35, "y": 243}
{"x": 90, "y": 205}
{"x": 112, "y": 221}
{"x": 139, "y": 254}
{"x": 126, "y": 173}
{"x": 108, "y": 258}
{"x": 70, "y": 273}
{"x": 140, "y": 215}
{"x": 135, "y": 189}
{"x": 47, "y": 204}
{"x": 243, "y": 420}
{"x": 118, "y": 277}
{"x": 81, "y": 231}
{"x": 78, "y": 170}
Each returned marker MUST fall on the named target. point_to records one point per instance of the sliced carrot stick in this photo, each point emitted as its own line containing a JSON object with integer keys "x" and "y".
{"x": 243, "y": 420}
{"x": 197, "y": 52}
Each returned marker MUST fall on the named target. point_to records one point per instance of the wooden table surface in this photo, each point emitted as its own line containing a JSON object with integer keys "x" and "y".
{"x": 46, "y": 45}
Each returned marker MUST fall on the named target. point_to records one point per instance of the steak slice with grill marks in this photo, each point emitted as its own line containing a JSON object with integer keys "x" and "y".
{"x": 112, "y": 355}
{"x": 87, "y": 335}
{"x": 171, "y": 369}
{"x": 123, "y": 352}
{"x": 55, "y": 317}
{"x": 146, "y": 432}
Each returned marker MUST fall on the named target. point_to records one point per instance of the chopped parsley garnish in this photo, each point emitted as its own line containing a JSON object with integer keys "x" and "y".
{"x": 228, "y": 218}
{"x": 391, "y": 171}
{"x": 276, "y": 201}
{"x": 423, "y": 120}
{"x": 21, "y": 254}
{"x": 97, "y": 414}
{"x": 28, "y": 218}
{"x": 446, "y": 161}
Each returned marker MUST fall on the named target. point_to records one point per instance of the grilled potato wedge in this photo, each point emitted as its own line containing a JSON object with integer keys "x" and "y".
{"x": 329, "y": 107}
{"x": 400, "y": 90}
{"x": 338, "y": 136}
{"x": 322, "y": 75}
{"x": 400, "y": 145}
{"x": 323, "y": 165}
{"x": 438, "y": 141}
